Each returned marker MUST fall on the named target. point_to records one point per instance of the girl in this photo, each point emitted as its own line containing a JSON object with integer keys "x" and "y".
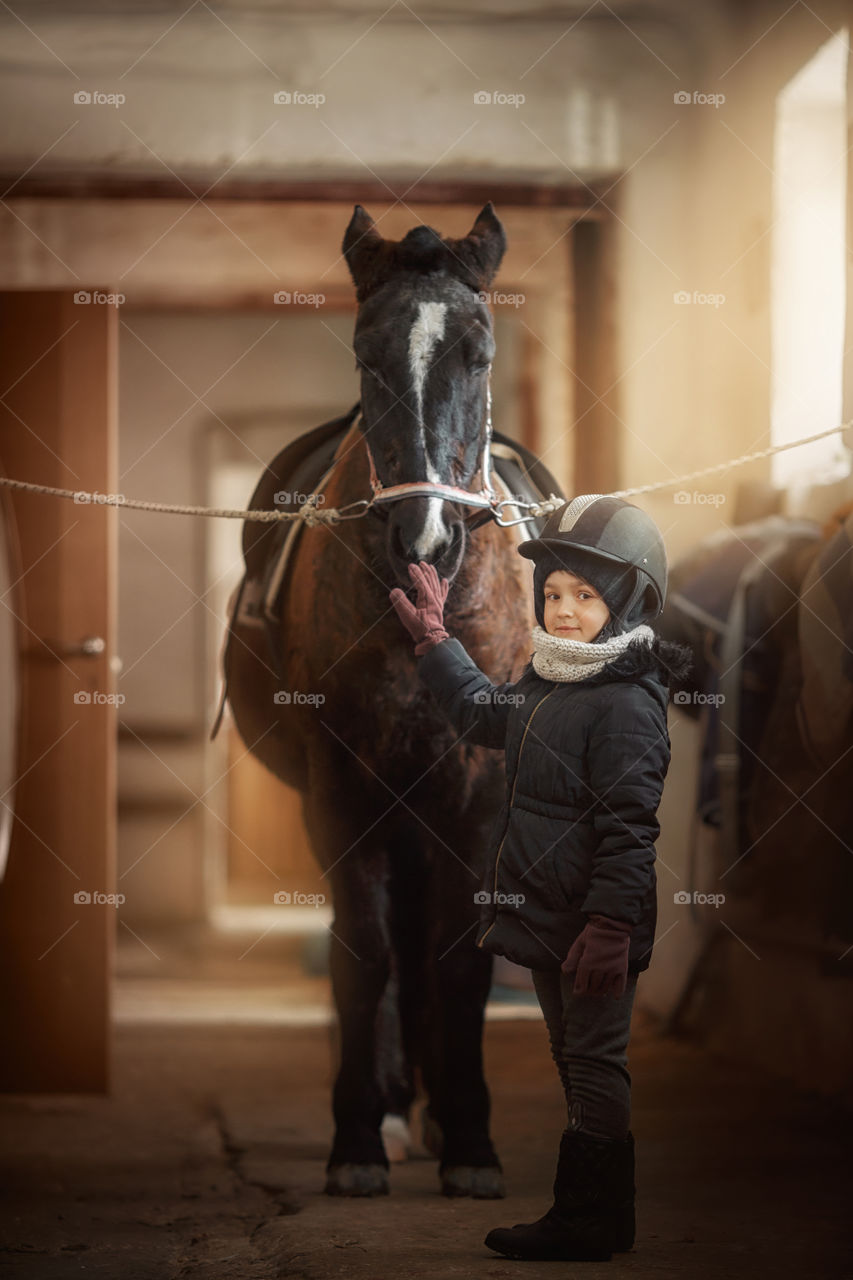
{"x": 570, "y": 890}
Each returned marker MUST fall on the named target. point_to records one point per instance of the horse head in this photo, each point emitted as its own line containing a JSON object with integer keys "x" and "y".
{"x": 424, "y": 346}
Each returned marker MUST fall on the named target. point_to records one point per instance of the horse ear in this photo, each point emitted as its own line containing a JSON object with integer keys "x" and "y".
{"x": 484, "y": 246}
{"x": 360, "y": 246}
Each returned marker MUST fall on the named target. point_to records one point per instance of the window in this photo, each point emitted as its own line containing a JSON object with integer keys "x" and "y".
{"x": 808, "y": 275}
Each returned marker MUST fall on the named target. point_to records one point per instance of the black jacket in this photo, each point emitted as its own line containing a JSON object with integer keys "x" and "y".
{"x": 585, "y": 767}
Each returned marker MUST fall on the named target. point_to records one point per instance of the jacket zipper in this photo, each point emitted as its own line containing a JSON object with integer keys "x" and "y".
{"x": 509, "y": 813}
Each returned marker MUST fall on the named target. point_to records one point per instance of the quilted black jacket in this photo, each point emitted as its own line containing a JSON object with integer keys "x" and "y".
{"x": 585, "y": 767}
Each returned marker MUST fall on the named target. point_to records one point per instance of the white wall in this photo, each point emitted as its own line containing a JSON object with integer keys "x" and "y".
{"x": 399, "y": 89}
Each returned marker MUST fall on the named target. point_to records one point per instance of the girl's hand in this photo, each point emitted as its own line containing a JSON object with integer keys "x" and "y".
{"x": 424, "y": 620}
{"x": 600, "y": 956}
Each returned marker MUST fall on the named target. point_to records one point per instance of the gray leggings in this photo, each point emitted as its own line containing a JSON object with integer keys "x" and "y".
{"x": 589, "y": 1042}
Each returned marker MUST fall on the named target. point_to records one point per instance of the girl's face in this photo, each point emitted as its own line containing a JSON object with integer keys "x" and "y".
{"x": 573, "y": 609}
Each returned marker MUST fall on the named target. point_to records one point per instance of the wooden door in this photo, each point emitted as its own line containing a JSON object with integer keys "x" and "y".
{"x": 58, "y": 427}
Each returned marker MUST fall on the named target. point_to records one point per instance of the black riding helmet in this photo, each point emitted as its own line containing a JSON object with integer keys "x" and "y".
{"x": 614, "y": 546}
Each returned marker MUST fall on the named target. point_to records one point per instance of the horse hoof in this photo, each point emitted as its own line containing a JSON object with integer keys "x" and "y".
{"x": 481, "y": 1182}
{"x": 357, "y": 1180}
{"x": 431, "y": 1134}
{"x": 395, "y": 1138}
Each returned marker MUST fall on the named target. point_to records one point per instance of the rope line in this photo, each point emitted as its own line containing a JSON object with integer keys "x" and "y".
{"x": 734, "y": 462}
{"x": 312, "y": 514}
{"x": 309, "y": 512}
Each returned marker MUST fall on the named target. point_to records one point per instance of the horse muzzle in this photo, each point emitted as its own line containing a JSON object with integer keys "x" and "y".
{"x": 424, "y": 529}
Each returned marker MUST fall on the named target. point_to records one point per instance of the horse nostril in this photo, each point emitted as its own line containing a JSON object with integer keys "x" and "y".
{"x": 457, "y": 540}
{"x": 403, "y": 544}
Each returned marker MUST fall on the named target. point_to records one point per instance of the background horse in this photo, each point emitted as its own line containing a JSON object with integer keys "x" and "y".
{"x": 397, "y": 805}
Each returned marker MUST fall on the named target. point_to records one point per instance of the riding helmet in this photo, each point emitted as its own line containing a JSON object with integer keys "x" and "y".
{"x": 612, "y": 544}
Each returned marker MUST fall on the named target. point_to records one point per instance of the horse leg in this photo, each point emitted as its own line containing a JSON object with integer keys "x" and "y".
{"x": 396, "y": 1078}
{"x": 469, "y": 1163}
{"x": 357, "y": 1165}
{"x": 360, "y": 965}
{"x": 459, "y": 1103}
{"x": 401, "y": 1031}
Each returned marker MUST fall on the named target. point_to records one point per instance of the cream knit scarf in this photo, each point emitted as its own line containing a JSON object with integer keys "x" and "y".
{"x": 558, "y": 658}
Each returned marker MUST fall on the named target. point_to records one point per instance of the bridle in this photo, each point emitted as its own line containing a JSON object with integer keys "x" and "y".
{"x": 485, "y": 498}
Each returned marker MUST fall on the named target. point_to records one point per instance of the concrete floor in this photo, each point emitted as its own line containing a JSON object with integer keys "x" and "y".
{"x": 207, "y": 1162}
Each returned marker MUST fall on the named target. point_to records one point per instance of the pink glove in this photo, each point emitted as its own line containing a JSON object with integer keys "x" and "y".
{"x": 600, "y": 955}
{"x": 423, "y": 620}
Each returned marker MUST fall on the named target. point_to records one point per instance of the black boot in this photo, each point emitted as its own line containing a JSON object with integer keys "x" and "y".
{"x": 593, "y": 1211}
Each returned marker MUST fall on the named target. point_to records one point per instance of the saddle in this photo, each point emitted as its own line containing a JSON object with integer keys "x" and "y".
{"x": 300, "y": 471}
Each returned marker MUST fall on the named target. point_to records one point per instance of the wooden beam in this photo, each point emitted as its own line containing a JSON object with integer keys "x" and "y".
{"x": 82, "y": 185}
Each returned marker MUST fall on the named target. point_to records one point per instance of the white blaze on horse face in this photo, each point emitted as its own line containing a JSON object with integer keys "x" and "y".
{"x": 434, "y": 532}
{"x": 426, "y": 332}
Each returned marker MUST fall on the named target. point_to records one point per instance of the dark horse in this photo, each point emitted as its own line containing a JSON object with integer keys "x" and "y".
{"x": 397, "y": 805}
